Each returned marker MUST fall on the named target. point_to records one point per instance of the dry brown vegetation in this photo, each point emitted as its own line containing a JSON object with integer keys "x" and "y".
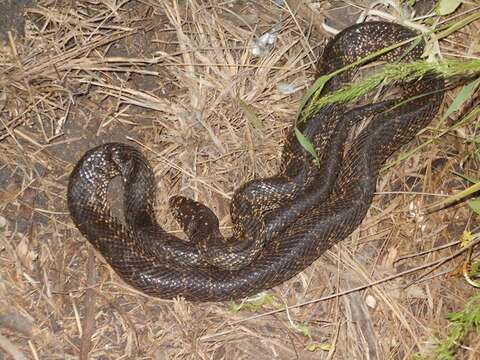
{"x": 179, "y": 79}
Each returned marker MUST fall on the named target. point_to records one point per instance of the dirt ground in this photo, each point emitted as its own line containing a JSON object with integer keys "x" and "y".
{"x": 179, "y": 79}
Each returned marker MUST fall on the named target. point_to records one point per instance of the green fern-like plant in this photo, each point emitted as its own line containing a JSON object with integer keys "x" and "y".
{"x": 461, "y": 324}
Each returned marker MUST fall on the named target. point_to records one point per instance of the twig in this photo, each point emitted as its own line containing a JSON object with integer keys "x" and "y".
{"x": 435, "y": 264}
{"x": 89, "y": 320}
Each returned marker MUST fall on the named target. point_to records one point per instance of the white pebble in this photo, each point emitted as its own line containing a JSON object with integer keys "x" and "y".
{"x": 3, "y": 222}
{"x": 371, "y": 301}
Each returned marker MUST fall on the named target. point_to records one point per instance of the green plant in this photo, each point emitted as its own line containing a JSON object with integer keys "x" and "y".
{"x": 313, "y": 100}
{"x": 461, "y": 324}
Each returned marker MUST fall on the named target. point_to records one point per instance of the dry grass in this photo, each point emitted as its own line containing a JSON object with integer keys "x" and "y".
{"x": 179, "y": 78}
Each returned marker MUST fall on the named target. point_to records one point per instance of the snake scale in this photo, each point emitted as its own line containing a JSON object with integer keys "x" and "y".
{"x": 282, "y": 224}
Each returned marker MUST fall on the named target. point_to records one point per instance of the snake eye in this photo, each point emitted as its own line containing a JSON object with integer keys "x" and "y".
{"x": 119, "y": 155}
{"x": 122, "y": 160}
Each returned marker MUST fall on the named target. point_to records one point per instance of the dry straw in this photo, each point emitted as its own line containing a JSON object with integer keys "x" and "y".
{"x": 180, "y": 79}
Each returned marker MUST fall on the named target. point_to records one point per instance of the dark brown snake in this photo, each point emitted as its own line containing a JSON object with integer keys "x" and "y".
{"x": 281, "y": 224}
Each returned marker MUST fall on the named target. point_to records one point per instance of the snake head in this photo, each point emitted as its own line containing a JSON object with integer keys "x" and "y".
{"x": 122, "y": 157}
{"x": 192, "y": 216}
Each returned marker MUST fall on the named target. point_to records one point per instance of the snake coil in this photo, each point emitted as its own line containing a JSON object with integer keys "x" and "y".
{"x": 283, "y": 223}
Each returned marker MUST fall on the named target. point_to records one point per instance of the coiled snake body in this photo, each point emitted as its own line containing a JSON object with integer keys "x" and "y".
{"x": 283, "y": 223}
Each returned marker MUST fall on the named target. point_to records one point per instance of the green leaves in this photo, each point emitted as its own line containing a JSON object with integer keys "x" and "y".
{"x": 461, "y": 324}
{"x": 446, "y": 7}
{"x": 464, "y": 95}
{"x": 312, "y": 347}
{"x": 307, "y": 145}
{"x": 256, "y": 303}
{"x": 475, "y": 205}
{"x": 313, "y": 92}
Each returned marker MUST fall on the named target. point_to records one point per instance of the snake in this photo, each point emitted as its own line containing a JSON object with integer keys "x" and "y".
{"x": 283, "y": 223}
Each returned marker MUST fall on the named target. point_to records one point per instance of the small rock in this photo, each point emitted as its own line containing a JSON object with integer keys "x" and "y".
{"x": 3, "y": 222}
{"x": 371, "y": 301}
